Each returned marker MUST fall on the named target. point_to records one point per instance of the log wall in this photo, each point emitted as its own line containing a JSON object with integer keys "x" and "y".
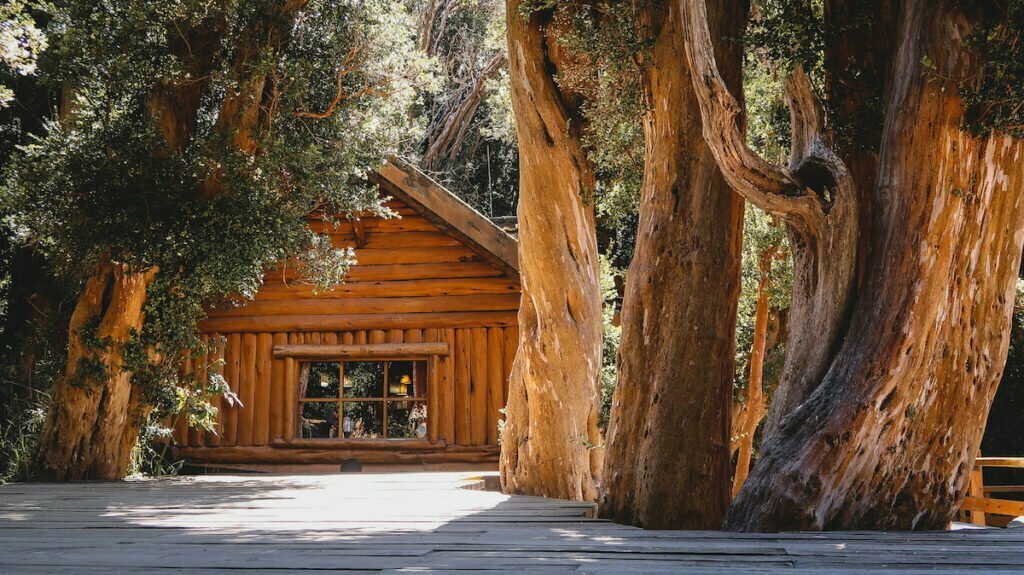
{"x": 413, "y": 283}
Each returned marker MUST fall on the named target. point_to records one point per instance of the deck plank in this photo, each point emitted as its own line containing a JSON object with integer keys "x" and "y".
{"x": 418, "y": 523}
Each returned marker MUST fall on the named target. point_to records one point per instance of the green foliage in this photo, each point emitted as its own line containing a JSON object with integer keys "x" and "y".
{"x": 788, "y": 32}
{"x": 463, "y": 37}
{"x": 21, "y": 41}
{"x": 612, "y": 338}
{"x": 103, "y": 185}
{"x": 608, "y": 47}
{"x": 19, "y": 432}
{"x": 995, "y": 98}
{"x": 761, "y": 234}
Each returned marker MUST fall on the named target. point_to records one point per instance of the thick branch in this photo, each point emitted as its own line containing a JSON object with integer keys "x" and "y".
{"x": 450, "y": 138}
{"x": 769, "y": 187}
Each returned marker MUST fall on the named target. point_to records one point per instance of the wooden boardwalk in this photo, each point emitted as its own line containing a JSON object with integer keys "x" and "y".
{"x": 417, "y": 523}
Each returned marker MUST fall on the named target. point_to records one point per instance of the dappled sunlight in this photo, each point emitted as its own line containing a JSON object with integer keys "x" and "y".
{"x": 411, "y": 522}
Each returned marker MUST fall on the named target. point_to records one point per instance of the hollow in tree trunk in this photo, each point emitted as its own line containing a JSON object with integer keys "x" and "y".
{"x": 668, "y": 461}
{"x": 550, "y": 444}
{"x": 888, "y": 440}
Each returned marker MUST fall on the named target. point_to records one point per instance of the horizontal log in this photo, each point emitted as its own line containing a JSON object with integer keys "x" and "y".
{"x": 402, "y": 224}
{"x": 391, "y": 240}
{"x": 378, "y": 305}
{"x": 408, "y": 288}
{"x": 999, "y": 462}
{"x": 994, "y": 506}
{"x": 360, "y": 444}
{"x": 378, "y": 350}
{"x": 282, "y": 323}
{"x": 394, "y": 272}
{"x": 269, "y": 455}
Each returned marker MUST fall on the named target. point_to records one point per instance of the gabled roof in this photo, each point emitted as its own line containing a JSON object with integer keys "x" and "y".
{"x": 444, "y": 209}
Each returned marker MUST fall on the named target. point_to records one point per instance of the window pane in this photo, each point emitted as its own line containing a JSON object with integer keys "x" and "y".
{"x": 407, "y": 419}
{"x": 364, "y": 378}
{"x": 320, "y": 380}
{"x": 407, "y": 379}
{"x": 363, "y": 419}
{"x": 319, "y": 420}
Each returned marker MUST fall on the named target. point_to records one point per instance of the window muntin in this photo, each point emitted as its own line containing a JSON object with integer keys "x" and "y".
{"x": 363, "y": 399}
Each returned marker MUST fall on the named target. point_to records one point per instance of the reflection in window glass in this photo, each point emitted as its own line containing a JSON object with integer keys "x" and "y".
{"x": 407, "y": 419}
{"x": 364, "y": 379}
{"x": 319, "y": 420}
{"x": 320, "y": 380}
{"x": 363, "y": 419}
{"x": 375, "y": 399}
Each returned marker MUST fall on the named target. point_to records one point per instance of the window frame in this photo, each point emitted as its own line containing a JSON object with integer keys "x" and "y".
{"x": 340, "y": 401}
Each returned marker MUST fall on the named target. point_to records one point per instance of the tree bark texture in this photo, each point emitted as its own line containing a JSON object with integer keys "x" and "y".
{"x": 551, "y": 444}
{"x": 667, "y": 461}
{"x": 95, "y": 416}
{"x": 95, "y": 413}
{"x": 815, "y": 195}
{"x": 889, "y": 438}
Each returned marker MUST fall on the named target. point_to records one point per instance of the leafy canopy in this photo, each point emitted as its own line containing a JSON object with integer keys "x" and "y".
{"x": 195, "y": 137}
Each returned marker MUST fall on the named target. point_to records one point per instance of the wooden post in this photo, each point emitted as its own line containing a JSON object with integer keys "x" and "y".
{"x": 214, "y": 340}
{"x": 277, "y": 391}
{"x": 232, "y": 367}
{"x": 291, "y": 405}
{"x": 445, "y": 392}
{"x": 462, "y": 387}
{"x": 478, "y": 386}
{"x": 261, "y": 415}
{"x": 495, "y": 379}
{"x": 976, "y": 488}
{"x": 247, "y": 387}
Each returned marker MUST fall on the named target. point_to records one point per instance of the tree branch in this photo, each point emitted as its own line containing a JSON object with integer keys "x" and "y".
{"x": 767, "y": 186}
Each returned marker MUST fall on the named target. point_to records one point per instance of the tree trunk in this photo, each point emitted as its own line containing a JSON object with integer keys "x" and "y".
{"x": 448, "y": 142}
{"x": 668, "y": 458}
{"x": 889, "y": 438}
{"x": 550, "y": 445}
{"x": 749, "y": 414}
{"x": 815, "y": 195}
{"x": 95, "y": 412}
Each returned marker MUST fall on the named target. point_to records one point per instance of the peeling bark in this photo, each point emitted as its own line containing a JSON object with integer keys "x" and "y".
{"x": 667, "y": 461}
{"x": 888, "y": 440}
{"x": 551, "y": 445}
{"x": 814, "y": 195}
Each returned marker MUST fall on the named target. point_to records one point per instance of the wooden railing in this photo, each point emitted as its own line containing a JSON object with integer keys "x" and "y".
{"x": 978, "y": 501}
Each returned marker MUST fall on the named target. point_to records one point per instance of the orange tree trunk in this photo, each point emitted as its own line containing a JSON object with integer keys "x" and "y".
{"x": 752, "y": 410}
{"x": 95, "y": 412}
{"x": 550, "y": 440}
{"x": 888, "y": 440}
{"x": 667, "y": 459}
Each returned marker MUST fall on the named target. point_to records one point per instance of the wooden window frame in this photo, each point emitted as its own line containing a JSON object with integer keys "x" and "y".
{"x": 298, "y": 354}
{"x": 341, "y": 400}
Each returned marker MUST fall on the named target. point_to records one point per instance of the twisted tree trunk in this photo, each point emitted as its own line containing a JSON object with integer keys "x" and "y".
{"x": 550, "y": 445}
{"x": 95, "y": 412}
{"x": 667, "y": 462}
{"x": 888, "y": 440}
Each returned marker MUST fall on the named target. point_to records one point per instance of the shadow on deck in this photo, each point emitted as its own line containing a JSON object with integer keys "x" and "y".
{"x": 417, "y": 523}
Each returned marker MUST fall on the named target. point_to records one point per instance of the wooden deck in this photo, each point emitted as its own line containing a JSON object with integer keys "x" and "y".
{"x": 417, "y": 523}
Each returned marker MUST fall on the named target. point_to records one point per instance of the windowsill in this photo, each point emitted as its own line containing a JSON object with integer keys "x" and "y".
{"x": 343, "y": 443}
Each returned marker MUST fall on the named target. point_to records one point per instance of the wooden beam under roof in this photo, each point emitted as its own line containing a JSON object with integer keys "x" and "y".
{"x": 444, "y": 209}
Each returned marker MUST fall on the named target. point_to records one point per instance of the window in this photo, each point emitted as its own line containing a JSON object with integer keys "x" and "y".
{"x": 363, "y": 399}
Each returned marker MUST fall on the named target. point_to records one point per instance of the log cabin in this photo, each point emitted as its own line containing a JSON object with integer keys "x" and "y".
{"x": 407, "y": 362}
